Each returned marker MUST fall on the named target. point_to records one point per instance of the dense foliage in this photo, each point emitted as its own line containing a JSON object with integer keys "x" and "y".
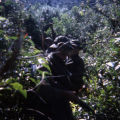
{"x": 98, "y": 29}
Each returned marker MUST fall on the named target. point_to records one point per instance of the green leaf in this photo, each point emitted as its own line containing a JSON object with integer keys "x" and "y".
{"x": 81, "y": 13}
{"x": 1, "y": 32}
{"x": 19, "y": 87}
{"x": 13, "y": 37}
{"x": 2, "y": 19}
{"x": 10, "y": 80}
{"x": 102, "y": 92}
{"x": 44, "y": 60}
{"x": 33, "y": 80}
{"x": 47, "y": 66}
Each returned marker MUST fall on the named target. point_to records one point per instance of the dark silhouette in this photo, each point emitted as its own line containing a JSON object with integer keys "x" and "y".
{"x": 58, "y": 90}
{"x": 76, "y": 66}
{"x": 41, "y": 40}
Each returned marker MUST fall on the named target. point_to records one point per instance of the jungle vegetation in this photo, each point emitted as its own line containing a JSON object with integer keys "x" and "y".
{"x": 98, "y": 29}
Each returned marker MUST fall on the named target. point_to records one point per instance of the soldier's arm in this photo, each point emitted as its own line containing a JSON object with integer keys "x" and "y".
{"x": 70, "y": 95}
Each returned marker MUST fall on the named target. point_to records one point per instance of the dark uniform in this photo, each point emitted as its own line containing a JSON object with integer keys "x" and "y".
{"x": 61, "y": 76}
{"x": 51, "y": 88}
{"x": 75, "y": 65}
{"x": 68, "y": 75}
{"x": 58, "y": 106}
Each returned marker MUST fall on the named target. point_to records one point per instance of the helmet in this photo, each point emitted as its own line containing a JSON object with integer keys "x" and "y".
{"x": 61, "y": 39}
{"x": 64, "y": 47}
{"x": 76, "y": 44}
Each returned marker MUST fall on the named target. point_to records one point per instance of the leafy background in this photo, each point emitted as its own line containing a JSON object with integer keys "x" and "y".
{"x": 97, "y": 26}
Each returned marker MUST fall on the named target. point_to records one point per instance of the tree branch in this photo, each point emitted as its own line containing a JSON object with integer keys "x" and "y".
{"x": 9, "y": 64}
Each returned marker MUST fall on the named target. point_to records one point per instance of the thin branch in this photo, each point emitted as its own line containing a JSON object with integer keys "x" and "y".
{"x": 24, "y": 58}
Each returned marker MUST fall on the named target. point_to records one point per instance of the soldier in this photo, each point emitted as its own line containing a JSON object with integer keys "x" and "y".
{"x": 39, "y": 37}
{"x": 47, "y": 41}
{"x": 56, "y": 61}
{"x": 54, "y": 90}
{"x": 58, "y": 89}
{"x": 73, "y": 70}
